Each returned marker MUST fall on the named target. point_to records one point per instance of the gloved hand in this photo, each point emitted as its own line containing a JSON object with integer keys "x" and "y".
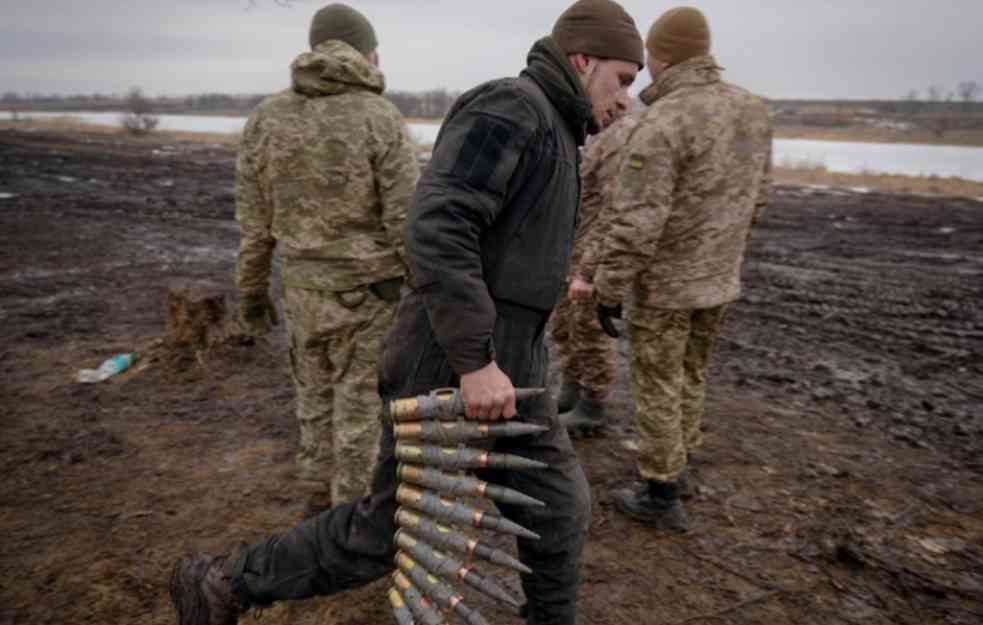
{"x": 257, "y": 314}
{"x": 605, "y": 314}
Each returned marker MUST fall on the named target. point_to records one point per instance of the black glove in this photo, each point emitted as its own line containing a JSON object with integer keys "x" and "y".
{"x": 257, "y": 314}
{"x": 605, "y": 314}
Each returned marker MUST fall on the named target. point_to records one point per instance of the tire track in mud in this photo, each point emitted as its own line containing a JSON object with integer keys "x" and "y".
{"x": 880, "y": 313}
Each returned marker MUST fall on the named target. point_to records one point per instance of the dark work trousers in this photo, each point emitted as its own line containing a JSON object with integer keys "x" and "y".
{"x": 352, "y": 544}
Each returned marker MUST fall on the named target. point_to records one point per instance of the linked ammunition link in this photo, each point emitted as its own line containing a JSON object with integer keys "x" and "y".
{"x": 445, "y": 537}
{"x": 462, "y": 485}
{"x": 442, "y": 404}
{"x": 463, "y": 458}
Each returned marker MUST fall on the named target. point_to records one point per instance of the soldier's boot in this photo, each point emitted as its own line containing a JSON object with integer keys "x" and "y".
{"x": 569, "y": 394}
{"x": 685, "y": 487}
{"x": 201, "y": 591}
{"x": 588, "y": 417}
{"x": 653, "y": 503}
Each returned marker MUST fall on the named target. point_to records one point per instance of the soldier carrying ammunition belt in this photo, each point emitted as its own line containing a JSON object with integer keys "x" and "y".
{"x": 488, "y": 243}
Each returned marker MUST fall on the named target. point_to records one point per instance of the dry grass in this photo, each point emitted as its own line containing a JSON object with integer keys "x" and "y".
{"x": 72, "y": 124}
{"x": 868, "y": 134}
{"x": 885, "y": 183}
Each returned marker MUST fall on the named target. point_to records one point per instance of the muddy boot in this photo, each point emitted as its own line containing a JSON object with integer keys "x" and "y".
{"x": 587, "y": 418}
{"x": 569, "y": 393}
{"x": 653, "y": 503}
{"x": 201, "y": 591}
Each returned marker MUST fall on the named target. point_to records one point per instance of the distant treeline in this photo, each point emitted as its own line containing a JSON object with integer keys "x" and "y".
{"x": 426, "y": 104}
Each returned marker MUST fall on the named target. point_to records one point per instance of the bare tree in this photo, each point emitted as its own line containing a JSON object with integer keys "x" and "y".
{"x": 968, "y": 91}
{"x": 911, "y": 105}
{"x": 139, "y": 118}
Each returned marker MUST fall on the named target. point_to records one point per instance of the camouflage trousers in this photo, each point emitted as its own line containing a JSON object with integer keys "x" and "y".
{"x": 335, "y": 340}
{"x": 670, "y": 350}
{"x": 585, "y": 352}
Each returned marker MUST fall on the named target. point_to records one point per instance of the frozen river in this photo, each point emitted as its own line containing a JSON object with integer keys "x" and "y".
{"x": 838, "y": 156}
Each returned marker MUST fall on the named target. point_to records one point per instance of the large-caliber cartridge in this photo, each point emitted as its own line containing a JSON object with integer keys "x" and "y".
{"x": 463, "y": 458}
{"x": 456, "y": 512}
{"x": 443, "y": 404}
{"x": 422, "y": 610}
{"x": 442, "y": 536}
{"x": 462, "y": 485}
{"x": 447, "y": 567}
{"x": 453, "y": 432}
{"x": 437, "y": 590}
{"x": 400, "y": 611}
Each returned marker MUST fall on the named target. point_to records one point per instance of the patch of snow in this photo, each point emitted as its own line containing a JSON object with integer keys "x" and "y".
{"x": 860, "y": 189}
{"x": 7, "y": 196}
{"x": 65, "y": 178}
{"x": 946, "y": 230}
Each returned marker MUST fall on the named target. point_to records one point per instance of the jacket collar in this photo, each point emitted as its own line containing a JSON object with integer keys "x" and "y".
{"x": 549, "y": 68}
{"x": 694, "y": 72}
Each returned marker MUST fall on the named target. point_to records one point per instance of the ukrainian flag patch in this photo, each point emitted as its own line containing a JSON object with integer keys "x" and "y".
{"x": 635, "y": 161}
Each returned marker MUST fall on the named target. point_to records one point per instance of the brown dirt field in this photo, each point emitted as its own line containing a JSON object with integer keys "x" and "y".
{"x": 841, "y": 480}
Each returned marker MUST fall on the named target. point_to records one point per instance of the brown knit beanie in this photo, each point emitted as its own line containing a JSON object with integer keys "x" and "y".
{"x": 599, "y": 28}
{"x": 340, "y": 21}
{"x": 679, "y": 34}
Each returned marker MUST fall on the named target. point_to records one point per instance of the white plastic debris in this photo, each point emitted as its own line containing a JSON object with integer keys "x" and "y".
{"x": 109, "y": 368}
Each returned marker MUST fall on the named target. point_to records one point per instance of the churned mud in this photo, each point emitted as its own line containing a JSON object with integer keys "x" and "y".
{"x": 841, "y": 480}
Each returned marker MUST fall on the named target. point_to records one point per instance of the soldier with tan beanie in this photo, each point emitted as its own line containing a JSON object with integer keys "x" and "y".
{"x": 694, "y": 179}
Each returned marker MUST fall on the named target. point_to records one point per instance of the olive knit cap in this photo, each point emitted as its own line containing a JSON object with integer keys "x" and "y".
{"x": 340, "y": 21}
{"x": 679, "y": 34}
{"x": 600, "y": 28}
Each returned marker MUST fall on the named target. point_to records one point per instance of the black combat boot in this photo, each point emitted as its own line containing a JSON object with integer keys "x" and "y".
{"x": 587, "y": 418}
{"x": 653, "y": 503}
{"x": 201, "y": 590}
{"x": 569, "y": 394}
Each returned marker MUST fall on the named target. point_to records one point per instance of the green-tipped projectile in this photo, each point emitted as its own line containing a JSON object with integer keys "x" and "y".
{"x": 456, "y": 512}
{"x": 447, "y": 567}
{"x": 454, "y": 432}
{"x": 400, "y": 611}
{"x": 463, "y": 458}
{"x": 452, "y": 540}
{"x": 442, "y": 404}
{"x": 438, "y": 591}
{"x": 422, "y": 610}
{"x": 462, "y": 485}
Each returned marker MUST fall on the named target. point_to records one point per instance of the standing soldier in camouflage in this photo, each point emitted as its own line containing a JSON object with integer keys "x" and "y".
{"x": 488, "y": 240}
{"x": 694, "y": 180}
{"x": 324, "y": 178}
{"x": 587, "y": 354}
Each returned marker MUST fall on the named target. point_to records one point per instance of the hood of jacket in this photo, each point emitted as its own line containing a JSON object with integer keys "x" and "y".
{"x": 334, "y": 67}
{"x": 694, "y": 72}
{"x": 549, "y": 68}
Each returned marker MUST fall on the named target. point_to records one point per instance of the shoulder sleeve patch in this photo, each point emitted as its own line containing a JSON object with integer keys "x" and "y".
{"x": 636, "y": 161}
{"x": 482, "y": 150}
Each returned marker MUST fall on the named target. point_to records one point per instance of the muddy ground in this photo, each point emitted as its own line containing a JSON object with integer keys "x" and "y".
{"x": 841, "y": 481}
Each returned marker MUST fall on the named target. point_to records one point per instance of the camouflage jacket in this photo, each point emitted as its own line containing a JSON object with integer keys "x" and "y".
{"x": 602, "y": 157}
{"x": 324, "y": 175}
{"x": 695, "y": 176}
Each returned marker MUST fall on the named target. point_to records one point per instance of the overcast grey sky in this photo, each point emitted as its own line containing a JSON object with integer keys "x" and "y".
{"x": 778, "y": 48}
